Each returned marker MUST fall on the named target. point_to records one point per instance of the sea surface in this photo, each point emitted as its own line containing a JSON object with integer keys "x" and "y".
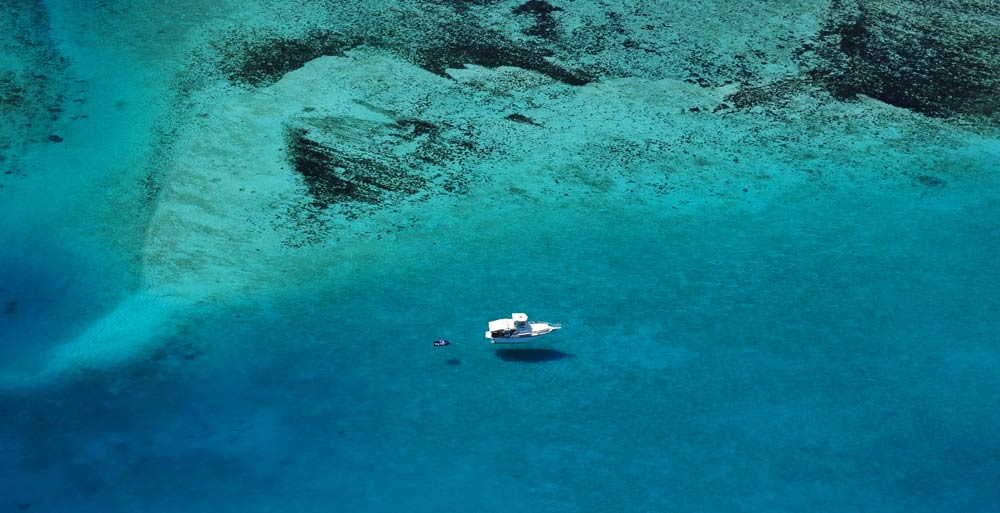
{"x": 231, "y": 231}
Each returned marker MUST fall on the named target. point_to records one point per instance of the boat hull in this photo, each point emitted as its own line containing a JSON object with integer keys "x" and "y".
{"x": 525, "y": 336}
{"x": 512, "y": 340}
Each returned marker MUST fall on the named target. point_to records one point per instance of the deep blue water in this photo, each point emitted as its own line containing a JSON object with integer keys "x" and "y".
{"x": 808, "y": 365}
{"x": 50, "y": 288}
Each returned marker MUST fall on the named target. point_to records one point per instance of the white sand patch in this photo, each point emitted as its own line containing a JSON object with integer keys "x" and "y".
{"x": 127, "y": 333}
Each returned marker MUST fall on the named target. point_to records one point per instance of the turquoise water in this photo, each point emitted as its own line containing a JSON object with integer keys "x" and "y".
{"x": 782, "y": 308}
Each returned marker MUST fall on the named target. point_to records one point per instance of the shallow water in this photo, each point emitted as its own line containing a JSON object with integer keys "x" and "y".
{"x": 762, "y": 312}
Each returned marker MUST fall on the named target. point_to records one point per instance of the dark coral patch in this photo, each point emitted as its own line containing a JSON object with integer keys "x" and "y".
{"x": 521, "y": 118}
{"x": 417, "y": 127}
{"x": 335, "y": 176}
{"x": 12, "y": 94}
{"x": 536, "y": 8}
{"x": 775, "y": 92}
{"x": 853, "y": 37}
{"x": 544, "y": 23}
{"x": 448, "y": 34}
{"x": 929, "y": 181}
{"x": 318, "y": 167}
{"x": 365, "y": 163}
{"x": 462, "y": 5}
{"x": 915, "y": 54}
{"x": 352, "y": 167}
{"x": 262, "y": 61}
{"x": 491, "y": 51}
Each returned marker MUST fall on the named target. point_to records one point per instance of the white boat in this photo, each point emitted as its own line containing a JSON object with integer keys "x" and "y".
{"x": 518, "y": 329}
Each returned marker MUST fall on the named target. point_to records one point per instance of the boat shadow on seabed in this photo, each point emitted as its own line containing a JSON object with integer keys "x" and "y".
{"x": 531, "y": 355}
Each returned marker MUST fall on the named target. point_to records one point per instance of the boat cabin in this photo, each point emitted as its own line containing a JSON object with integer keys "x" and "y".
{"x": 506, "y": 328}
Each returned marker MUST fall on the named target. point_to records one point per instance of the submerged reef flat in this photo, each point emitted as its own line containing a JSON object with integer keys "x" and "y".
{"x": 33, "y": 85}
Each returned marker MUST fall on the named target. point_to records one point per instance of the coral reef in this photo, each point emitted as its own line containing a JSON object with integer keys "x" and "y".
{"x": 936, "y": 58}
